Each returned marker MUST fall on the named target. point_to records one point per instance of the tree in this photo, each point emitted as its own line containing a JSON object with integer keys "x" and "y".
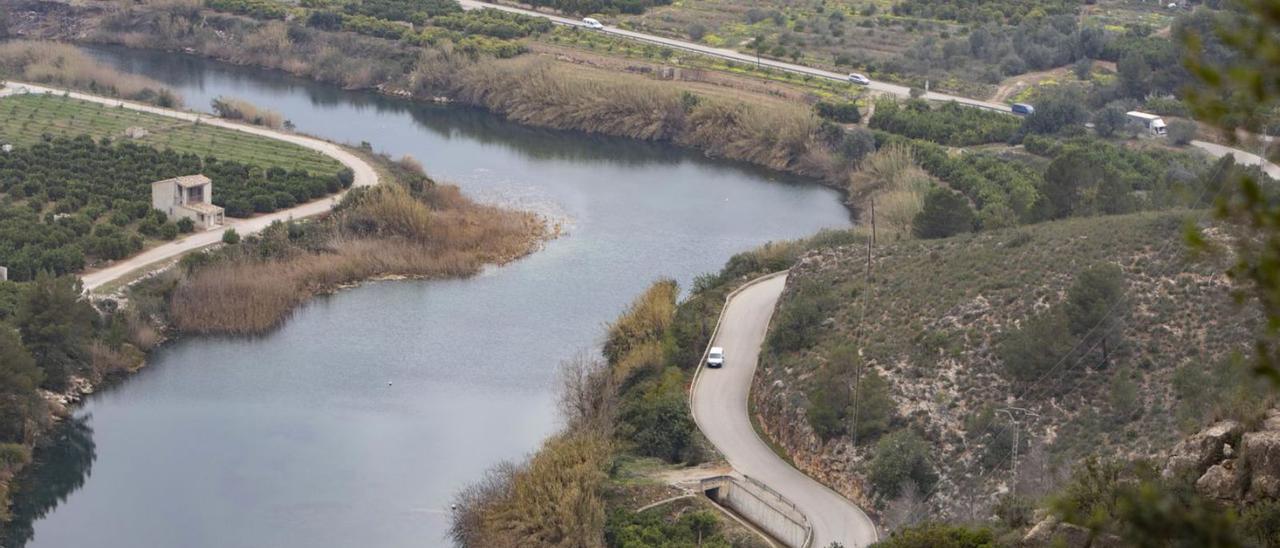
{"x": 1109, "y": 120}
{"x": 1083, "y": 68}
{"x": 696, "y": 31}
{"x": 900, "y": 457}
{"x": 945, "y": 213}
{"x": 56, "y": 325}
{"x": 1032, "y": 350}
{"x": 1182, "y": 132}
{"x": 1094, "y": 306}
{"x": 1056, "y": 111}
{"x": 1135, "y": 75}
{"x": 19, "y": 378}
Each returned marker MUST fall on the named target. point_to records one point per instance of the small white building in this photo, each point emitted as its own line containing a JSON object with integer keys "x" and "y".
{"x": 189, "y": 196}
{"x": 1150, "y": 123}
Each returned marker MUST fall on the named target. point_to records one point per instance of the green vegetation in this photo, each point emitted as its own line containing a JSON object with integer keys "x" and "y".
{"x": 600, "y": 6}
{"x": 626, "y": 529}
{"x": 981, "y": 11}
{"x": 950, "y": 124}
{"x": 945, "y": 213}
{"x": 937, "y": 535}
{"x": 27, "y": 119}
{"x": 901, "y": 458}
{"x": 70, "y": 202}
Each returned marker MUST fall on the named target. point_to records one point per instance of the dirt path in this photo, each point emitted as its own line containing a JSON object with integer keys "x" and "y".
{"x": 365, "y": 175}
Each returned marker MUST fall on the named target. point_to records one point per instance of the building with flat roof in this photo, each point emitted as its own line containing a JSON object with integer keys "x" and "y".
{"x": 189, "y": 196}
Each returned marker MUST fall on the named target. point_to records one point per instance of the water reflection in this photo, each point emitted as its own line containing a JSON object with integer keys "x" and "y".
{"x": 62, "y": 464}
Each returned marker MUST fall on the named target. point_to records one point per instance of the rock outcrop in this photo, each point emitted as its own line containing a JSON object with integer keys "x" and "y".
{"x": 1231, "y": 465}
{"x": 1197, "y": 453}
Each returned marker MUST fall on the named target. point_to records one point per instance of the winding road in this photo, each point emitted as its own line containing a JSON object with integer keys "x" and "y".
{"x": 719, "y": 403}
{"x": 365, "y": 175}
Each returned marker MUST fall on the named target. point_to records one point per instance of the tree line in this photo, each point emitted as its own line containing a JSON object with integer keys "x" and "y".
{"x": 69, "y": 201}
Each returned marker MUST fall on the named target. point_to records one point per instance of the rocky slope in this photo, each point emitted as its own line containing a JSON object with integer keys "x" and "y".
{"x": 930, "y": 321}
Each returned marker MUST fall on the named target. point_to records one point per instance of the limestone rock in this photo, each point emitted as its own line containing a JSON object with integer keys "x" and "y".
{"x": 1260, "y": 452}
{"x": 1052, "y": 531}
{"x": 1200, "y": 451}
{"x": 1222, "y": 481}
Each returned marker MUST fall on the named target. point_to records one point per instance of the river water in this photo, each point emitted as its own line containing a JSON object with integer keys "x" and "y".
{"x": 355, "y": 422}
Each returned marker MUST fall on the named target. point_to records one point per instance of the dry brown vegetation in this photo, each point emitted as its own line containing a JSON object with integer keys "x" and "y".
{"x": 64, "y": 65}
{"x": 534, "y": 90}
{"x": 233, "y": 108}
{"x": 422, "y": 229}
{"x": 892, "y": 178}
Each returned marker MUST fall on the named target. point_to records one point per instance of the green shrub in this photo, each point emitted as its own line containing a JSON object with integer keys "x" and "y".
{"x": 230, "y": 236}
{"x": 939, "y": 535}
{"x": 845, "y": 112}
{"x": 946, "y": 213}
{"x": 901, "y": 457}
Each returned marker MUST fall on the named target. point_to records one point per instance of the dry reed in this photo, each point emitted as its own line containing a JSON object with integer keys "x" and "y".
{"x": 384, "y": 231}
{"x": 64, "y": 65}
{"x": 233, "y": 108}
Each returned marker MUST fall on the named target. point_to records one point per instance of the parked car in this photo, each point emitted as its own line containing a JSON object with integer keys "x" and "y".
{"x": 592, "y": 23}
{"x": 860, "y": 79}
{"x": 1023, "y": 109}
{"x": 715, "y": 358}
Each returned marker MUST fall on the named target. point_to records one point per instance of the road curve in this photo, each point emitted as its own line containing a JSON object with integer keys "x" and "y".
{"x": 365, "y": 175}
{"x": 719, "y": 403}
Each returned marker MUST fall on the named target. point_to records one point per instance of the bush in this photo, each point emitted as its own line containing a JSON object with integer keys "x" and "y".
{"x": 230, "y": 236}
{"x": 845, "y": 112}
{"x": 1182, "y": 132}
{"x": 946, "y": 213}
{"x": 901, "y": 457}
{"x": 939, "y": 535}
{"x": 186, "y": 225}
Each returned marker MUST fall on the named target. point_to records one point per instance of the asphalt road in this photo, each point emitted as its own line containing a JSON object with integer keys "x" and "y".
{"x": 732, "y": 55}
{"x": 719, "y": 403}
{"x": 364, "y": 176}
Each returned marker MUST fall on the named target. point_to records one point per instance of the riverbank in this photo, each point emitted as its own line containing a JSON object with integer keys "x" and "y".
{"x": 409, "y": 227}
{"x": 760, "y": 129}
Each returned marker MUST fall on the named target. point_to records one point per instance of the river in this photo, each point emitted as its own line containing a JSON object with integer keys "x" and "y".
{"x": 355, "y": 422}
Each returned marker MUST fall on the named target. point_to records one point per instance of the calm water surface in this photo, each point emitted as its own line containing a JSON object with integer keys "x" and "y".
{"x": 355, "y": 422}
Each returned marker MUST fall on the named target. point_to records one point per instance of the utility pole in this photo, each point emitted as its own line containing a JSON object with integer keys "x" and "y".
{"x": 1009, "y": 411}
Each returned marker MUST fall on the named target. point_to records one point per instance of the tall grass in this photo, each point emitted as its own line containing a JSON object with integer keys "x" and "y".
{"x": 892, "y": 178}
{"x": 233, "y": 108}
{"x": 381, "y": 231}
{"x": 64, "y": 65}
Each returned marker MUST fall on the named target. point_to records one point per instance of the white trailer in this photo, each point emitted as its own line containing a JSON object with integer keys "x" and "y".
{"x": 1150, "y": 123}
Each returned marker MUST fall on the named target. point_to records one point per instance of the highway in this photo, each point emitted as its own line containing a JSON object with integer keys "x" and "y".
{"x": 719, "y": 403}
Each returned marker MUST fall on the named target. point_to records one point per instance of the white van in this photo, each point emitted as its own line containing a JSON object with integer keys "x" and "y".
{"x": 592, "y": 23}
{"x": 715, "y": 358}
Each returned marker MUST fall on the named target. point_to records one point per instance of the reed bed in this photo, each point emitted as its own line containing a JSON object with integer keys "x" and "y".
{"x": 389, "y": 230}
{"x": 64, "y": 65}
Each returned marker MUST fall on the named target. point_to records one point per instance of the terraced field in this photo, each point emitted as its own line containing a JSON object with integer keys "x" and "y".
{"x": 26, "y": 119}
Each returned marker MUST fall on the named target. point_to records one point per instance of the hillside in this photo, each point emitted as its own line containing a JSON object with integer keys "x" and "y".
{"x": 936, "y": 329}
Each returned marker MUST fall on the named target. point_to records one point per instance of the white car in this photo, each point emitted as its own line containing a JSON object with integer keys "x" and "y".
{"x": 860, "y": 79}
{"x": 715, "y": 358}
{"x": 592, "y": 23}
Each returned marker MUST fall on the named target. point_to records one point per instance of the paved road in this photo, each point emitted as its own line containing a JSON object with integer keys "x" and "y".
{"x": 364, "y": 176}
{"x": 901, "y": 91}
{"x": 719, "y": 405}
{"x": 732, "y": 55}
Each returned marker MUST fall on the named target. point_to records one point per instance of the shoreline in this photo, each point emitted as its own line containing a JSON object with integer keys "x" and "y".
{"x": 365, "y": 176}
